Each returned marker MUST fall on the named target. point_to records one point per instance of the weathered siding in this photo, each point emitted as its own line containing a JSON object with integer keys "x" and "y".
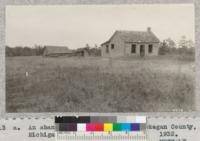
{"x": 103, "y": 51}
{"x": 154, "y": 49}
{"x": 118, "y": 50}
{"x": 128, "y": 47}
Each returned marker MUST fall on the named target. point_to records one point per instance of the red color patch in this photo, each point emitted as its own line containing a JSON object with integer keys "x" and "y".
{"x": 99, "y": 127}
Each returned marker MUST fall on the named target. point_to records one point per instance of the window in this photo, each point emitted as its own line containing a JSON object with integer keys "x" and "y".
{"x": 112, "y": 46}
{"x": 150, "y": 48}
{"x": 107, "y": 49}
{"x": 133, "y": 48}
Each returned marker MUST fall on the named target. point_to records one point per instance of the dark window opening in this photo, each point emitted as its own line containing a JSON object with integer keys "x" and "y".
{"x": 112, "y": 46}
{"x": 150, "y": 48}
{"x": 107, "y": 49}
{"x": 133, "y": 48}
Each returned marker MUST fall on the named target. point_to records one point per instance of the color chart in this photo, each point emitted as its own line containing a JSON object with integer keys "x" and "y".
{"x": 101, "y": 124}
{"x": 101, "y": 127}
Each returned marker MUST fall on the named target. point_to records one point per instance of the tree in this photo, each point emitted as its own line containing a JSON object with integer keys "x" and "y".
{"x": 38, "y": 49}
{"x": 9, "y": 51}
{"x": 164, "y": 48}
{"x": 24, "y": 51}
{"x": 87, "y": 46}
{"x": 183, "y": 42}
{"x": 27, "y": 51}
{"x": 186, "y": 46}
{"x": 18, "y": 51}
{"x": 95, "y": 46}
{"x": 170, "y": 43}
{"x": 190, "y": 44}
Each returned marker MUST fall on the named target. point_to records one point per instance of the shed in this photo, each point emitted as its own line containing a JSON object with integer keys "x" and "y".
{"x": 82, "y": 52}
{"x": 56, "y": 51}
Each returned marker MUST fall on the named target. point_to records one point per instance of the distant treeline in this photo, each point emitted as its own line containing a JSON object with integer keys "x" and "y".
{"x": 24, "y": 51}
{"x": 184, "y": 47}
{"x": 164, "y": 50}
{"x": 38, "y": 51}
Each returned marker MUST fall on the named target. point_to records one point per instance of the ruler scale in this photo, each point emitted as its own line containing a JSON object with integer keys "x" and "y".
{"x": 77, "y": 136}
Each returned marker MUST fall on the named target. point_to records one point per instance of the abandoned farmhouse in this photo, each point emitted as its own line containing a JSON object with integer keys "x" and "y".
{"x": 131, "y": 43}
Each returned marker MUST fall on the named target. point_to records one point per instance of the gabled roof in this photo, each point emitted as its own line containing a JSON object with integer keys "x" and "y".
{"x": 56, "y": 49}
{"x": 135, "y": 36}
{"x": 105, "y": 42}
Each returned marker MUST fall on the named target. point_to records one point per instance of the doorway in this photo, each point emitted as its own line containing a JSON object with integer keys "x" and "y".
{"x": 142, "y": 51}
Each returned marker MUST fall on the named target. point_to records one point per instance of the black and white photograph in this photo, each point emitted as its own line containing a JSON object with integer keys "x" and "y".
{"x": 100, "y": 58}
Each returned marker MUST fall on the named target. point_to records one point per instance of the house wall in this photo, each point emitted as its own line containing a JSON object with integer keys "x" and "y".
{"x": 128, "y": 49}
{"x": 103, "y": 51}
{"x": 124, "y": 49}
{"x": 118, "y": 50}
{"x": 137, "y": 53}
{"x": 154, "y": 51}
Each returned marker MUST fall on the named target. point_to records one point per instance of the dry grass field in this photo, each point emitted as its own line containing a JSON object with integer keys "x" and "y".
{"x": 92, "y": 84}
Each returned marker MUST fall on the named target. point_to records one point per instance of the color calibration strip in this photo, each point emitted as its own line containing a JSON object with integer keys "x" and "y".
{"x": 101, "y": 127}
{"x": 100, "y": 124}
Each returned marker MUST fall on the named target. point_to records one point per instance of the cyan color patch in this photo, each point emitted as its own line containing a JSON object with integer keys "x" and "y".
{"x": 126, "y": 127}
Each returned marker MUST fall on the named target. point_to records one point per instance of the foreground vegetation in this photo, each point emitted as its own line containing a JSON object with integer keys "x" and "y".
{"x": 37, "y": 84}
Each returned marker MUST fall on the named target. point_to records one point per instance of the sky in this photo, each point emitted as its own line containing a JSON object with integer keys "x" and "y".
{"x": 77, "y": 25}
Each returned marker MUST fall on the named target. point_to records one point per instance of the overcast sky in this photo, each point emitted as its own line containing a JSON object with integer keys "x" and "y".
{"x": 76, "y": 25}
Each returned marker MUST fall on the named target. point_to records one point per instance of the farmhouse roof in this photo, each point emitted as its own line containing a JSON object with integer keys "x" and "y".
{"x": 57, "y": 49}
{"x": 135, "y": 36}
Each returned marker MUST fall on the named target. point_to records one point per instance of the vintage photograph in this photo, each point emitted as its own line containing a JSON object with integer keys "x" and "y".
{"x": 100, "y": 58}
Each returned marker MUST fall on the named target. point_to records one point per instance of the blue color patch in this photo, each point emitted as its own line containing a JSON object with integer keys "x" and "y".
{"x": 126, "y": 126}
{"x": 135, "y": 127}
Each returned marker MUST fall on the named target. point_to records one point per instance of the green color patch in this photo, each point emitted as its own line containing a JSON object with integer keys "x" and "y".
{"x": 117, "y": 126}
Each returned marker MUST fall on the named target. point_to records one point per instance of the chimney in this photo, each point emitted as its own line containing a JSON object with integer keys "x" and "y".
{"x": 149, "y": 29}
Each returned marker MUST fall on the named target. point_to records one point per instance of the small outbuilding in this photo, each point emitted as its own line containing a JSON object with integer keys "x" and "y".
{"x": 56, "y": 51}
{"x": 82, "y": 52}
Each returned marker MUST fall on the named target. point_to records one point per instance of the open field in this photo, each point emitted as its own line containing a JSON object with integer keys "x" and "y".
{"x": 99, "y": 85}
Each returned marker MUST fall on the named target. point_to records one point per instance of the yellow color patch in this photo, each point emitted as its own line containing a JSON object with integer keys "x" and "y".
{"x": 108, "y": 127}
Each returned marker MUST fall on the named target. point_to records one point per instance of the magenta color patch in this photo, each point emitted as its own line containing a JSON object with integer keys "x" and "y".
{"x": 90, "y": 127}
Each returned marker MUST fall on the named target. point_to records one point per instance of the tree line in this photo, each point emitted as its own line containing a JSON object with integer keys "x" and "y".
{"x": 24, "y": 51}
{"x": 184, "y": 47}
{"x": 38, "y": 50}
{"x": 167, "y": 46}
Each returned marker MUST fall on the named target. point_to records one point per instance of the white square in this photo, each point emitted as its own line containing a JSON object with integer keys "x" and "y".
{"x": 140, "y": 119}
{"x": 81, "y": 127}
